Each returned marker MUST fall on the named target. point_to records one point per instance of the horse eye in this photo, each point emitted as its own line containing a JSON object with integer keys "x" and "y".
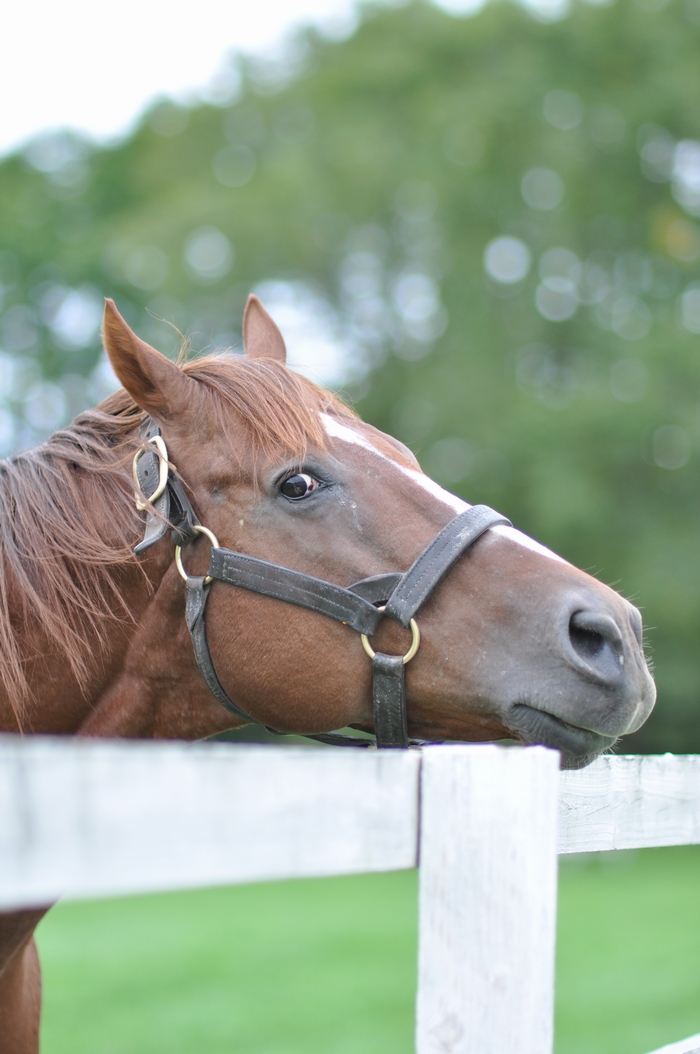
{"x": 299, "y": 485}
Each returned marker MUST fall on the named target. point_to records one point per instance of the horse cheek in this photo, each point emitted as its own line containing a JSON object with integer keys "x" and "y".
{"x": 287, "y": 667}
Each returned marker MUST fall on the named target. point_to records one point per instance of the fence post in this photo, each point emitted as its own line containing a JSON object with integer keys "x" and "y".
{"x": 487, "y": 901}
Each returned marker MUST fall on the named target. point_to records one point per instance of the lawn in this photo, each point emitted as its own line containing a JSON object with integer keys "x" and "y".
{"x": 328, "y": 966}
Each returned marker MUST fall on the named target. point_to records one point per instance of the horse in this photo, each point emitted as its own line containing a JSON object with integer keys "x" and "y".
{"x": 515, "y": 642}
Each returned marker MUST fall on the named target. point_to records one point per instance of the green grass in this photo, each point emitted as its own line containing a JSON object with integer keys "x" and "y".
{"x": 628, "y": 965}
{"x": 328, "y": 966}
{"x": 286, "y": 968}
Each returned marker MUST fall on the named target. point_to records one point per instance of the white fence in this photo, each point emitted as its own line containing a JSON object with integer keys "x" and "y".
{"x": 86, "y": 818}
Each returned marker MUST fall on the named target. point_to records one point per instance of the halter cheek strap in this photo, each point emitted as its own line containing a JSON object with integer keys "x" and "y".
{"x": 167, "y": 506}
{"x": 361, "y": 607}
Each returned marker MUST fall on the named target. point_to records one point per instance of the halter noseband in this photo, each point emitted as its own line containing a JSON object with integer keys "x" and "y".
{"x": 361, "y": 606}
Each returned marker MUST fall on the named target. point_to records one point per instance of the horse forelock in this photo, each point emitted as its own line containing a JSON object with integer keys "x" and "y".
{"x": 68, "y": 521}
{"x": 281, "y": 410}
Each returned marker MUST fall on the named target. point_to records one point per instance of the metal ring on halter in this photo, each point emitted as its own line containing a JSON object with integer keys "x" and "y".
{"x": 178, "y": 551}
{"x": 415, "y": 643}
{"x": 163, "y": 469}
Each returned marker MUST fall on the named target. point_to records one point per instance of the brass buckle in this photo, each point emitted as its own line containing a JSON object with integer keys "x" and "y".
{"x": 178, "y": 551}
{"x": 164, "y": 467}
{"x": 415, "y": 642}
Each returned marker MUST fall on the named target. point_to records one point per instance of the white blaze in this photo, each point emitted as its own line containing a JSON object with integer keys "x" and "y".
{"x": 345, "y": 434}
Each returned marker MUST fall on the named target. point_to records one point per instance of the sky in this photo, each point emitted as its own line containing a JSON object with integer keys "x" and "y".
{"x": 94, "y": 67}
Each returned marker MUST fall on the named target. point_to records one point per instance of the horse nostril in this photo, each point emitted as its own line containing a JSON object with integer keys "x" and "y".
{"x": 596, "y": 639}
{"x": 586, "y": 642}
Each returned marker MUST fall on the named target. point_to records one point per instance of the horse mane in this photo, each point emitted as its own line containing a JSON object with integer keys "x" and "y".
{"x": 59, "y": 572}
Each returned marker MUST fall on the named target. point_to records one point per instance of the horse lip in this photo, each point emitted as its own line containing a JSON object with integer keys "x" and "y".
{"x": 578, "y": 746}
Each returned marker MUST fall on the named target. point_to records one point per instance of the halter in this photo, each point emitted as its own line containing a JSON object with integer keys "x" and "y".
{"x": 361, "y": 606}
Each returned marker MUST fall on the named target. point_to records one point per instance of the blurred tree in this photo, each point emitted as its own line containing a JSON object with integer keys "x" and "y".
{"x": 484, "y": 229}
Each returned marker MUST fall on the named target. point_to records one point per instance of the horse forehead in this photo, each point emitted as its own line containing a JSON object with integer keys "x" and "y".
{"x": 337, "y": 430}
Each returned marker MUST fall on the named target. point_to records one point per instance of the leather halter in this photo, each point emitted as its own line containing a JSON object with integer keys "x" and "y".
{"x": 361, "y": 606}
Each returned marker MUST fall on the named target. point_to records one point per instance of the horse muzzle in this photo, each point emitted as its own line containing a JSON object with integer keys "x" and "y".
{"x": 578, "y": 746}
{"x": 604, "y": 689}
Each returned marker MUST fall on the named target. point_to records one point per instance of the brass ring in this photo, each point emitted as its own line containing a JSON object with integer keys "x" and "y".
{"x": 415, "y": 643}
{"x": 178, "y": 551}
{"x": 163, "y": 469}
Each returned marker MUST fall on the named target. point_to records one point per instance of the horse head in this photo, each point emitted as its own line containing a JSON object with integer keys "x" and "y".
{"x": 516, "y": 643}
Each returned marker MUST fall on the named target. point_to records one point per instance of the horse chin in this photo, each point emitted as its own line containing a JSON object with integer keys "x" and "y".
{"x": 578, "y": 746}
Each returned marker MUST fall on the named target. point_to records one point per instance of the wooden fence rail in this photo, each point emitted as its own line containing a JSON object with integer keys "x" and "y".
{"x": 686, "y": 1046}
{"x": 86, "y": 818}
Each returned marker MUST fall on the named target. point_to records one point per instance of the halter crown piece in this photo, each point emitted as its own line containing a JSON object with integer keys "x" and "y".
{"x": 361, "y": 606}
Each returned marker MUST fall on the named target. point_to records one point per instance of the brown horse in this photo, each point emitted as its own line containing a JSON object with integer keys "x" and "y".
{"x": 516, "y": 643}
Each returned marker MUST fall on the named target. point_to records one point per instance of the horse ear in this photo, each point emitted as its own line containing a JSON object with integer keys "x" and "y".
{"x": 261, "y": 337}
{"x": 155, "y": 383}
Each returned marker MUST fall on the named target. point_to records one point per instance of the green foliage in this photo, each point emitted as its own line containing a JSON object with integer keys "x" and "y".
{"x": 329, "y": 965}
{"x": 359, "y": 184}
